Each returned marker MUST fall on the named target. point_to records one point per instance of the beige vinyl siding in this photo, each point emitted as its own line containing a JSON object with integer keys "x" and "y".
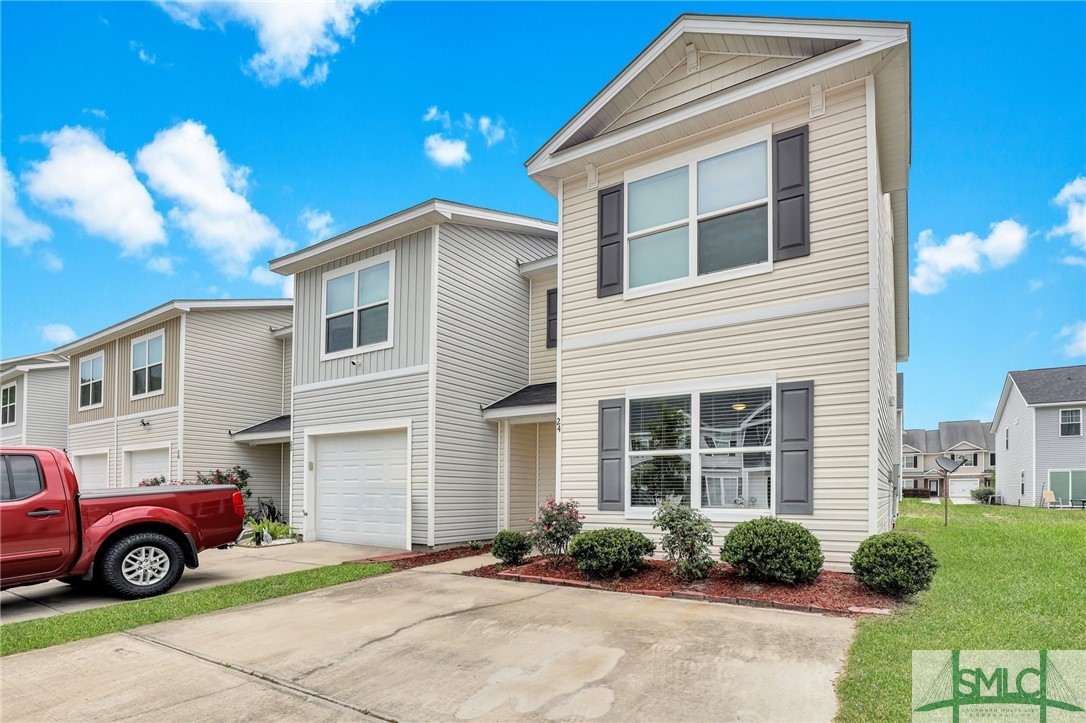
{"x": 286, "y": 381}
{"x": 171, "y": 370}
{"x": 13, "y": 433}
{"x": 1014, "y": 466}
{"x": 482, "y": 356}
{"x": 94, "y": 438}
{"x": 1054, "y": 451}
{"x": 885, "y": 369}
{"x": 546, "y": 458}
{"x": 544, "y": 360}
{"x": 47, "y": 411}
{"x": 403, "y": 397}
{"x": 109, "y": 385}
{"x": 162, "y": 431}
{"x": 410, "y": 315}
{"x": 233, "y": 380}
{"x": 522, "y": 475}
{"x": 716, "y": 72}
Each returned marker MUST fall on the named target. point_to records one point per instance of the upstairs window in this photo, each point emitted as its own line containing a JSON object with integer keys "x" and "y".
{"x": 1070, "y": 422}
{"x": 90, "y": 381}
{"x": 147, "y": 365}
{"x": 7, "y": 405}
{"x": 358, "y": 307}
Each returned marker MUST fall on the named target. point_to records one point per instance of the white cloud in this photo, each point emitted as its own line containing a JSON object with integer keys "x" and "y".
{"x": 51, "y": 261}
{"x": 468, "y": 122}
{"x": 965, "y": 253}
{"x": 262, "y": 275}
{"x": 1072, "y": 198}
{"x": 15, "y": 226}
{"x": 295, "y": 38}
{"x": 1035, "y": 285}
{"x": 319, "y": 224}
{"x": 97, "y": 113}
{"x": 161, "y": 264}
{"x": 1076, "y": 339}
{"x": 1071, "y": 260}
{"x": 442, "y": 117}
{"x": 141, "y": 53}
{"x": 493, "y": 132}
{"x": 447, "y": 152}
{"x": 96, "y": 187}
{"x": 57, "y": 334}
{"x": 184, "y": 164}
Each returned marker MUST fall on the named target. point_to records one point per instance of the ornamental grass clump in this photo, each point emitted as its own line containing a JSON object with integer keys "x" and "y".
{"x": 557, "y": 523}
{"x": 773, "y": 550}
{"x": 688, "y": 535}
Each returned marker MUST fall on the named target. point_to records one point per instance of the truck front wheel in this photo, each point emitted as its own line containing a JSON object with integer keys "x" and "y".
{"x": 142, "y": 565}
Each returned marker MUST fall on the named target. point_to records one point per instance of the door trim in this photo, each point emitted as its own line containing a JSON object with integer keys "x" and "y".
{"x": 309, "y": 476}
{"x": 126, "y": 463}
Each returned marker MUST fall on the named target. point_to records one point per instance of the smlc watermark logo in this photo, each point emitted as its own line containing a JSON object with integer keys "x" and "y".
{"x": 1004, "y": 685}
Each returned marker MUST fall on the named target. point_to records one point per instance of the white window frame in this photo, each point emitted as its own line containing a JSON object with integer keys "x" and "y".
{"x": 132, "y": 370}
{"x": 1060, "y": 422}
{"x": 695, "y": 389}
{"x": 911, "y": 461}
{"x": 89, "y": 359}
{"x": 690, "y": 159}
{"x": 14, "y": 404}
{"x": 390, "y": 257}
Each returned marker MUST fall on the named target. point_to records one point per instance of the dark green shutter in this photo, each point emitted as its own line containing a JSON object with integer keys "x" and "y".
{"x": 795, "y": 448}
{"x": 612, "y": 433}
{"x": 609, "y": 232}
{"x": 791, "y": 204}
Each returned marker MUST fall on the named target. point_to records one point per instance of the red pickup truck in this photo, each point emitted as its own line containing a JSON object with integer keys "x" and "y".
{"x": 136, "y": 541}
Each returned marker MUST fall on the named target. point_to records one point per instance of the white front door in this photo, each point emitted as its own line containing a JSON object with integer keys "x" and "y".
{"x": 144, "y": 464}
{"x": 91, "y": 471}
{"x": 361, "y": 488}
{"x": 962, "y": 487}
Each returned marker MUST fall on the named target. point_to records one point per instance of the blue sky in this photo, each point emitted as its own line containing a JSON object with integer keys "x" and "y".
{"x": 154, "y": 152}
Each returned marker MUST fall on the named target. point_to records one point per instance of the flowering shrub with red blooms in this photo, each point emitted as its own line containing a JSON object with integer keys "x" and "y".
{"x": 557, "y": 523}
{"x": 237, "y": 476}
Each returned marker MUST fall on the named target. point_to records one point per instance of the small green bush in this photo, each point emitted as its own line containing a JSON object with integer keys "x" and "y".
{"x": 982, "y": 494}
{"x": 688, "y": 535}
{"x": 610, "y": 552}
{"x": 895, "y": 564}
{"x": 275, "y": 530}
{"x": 773, "y": 550}
{"x": 475, "y": 544}
{"x": 511, "y": 547}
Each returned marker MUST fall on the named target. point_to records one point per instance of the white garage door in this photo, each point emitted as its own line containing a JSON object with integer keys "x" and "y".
{"x": 92, "y": 471}
{"x": 361, "y": 488}
{"x": 146, "y": 463}
{"x": 962, "y": 487}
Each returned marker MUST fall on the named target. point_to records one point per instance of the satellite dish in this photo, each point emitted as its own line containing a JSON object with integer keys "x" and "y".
{"x": 949, "y": 465}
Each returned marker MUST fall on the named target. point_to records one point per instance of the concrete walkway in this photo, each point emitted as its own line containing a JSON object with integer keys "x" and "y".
{"x": 216, "y": 568}
{"x": 429, "y": 645}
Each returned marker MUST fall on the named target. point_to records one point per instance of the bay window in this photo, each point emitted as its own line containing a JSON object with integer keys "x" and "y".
{"x": 357, "y": 307}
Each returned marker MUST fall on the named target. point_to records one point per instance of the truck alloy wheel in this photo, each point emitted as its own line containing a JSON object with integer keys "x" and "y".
{"x": 143, "y": 564}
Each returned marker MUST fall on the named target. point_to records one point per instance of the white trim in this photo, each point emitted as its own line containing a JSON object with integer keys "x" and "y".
{"x": 712, "y": 384}
{"x": 125, "y": 418}
{"x": 309, "y": 484}
{"x": 79, "y": 385}
{"x": 531, "y": 329}
{"x": 873, "y": 266}
{"x": 832, "y": 302}
{"x": 14, "y": 403}
{"x": 498, "y": 475}
{"x": 146, "y": 339}
{"x": 431, "y": 394}
{"x": 289, "y": 392}
{"x": 1033, "y": 444}
{"x": 1043, "y": 405}
{"x": 26, "y": 409}
{"x": 126, "y": 465}
{"x": 180, "y": 395}
{"x": 251, "y": 438}
{"x": 507, "y": 441}
{"x": 1059, "y": 423}
{"x": 531, "y": 268}
{"x": 388, "y": 257}
{"x": 558, "y": 352}
{"x": 362, "y": 378}
{"x": 525, "y": 414}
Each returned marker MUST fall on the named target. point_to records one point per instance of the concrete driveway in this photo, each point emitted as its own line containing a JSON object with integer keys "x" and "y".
{"x": 216, "y": 568}
{"x": 428, "y": 645}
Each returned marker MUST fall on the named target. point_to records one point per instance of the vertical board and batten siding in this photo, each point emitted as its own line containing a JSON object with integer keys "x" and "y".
{"x": 830, "y": 347}
{"x": 13, "y": 433}
{"x": 889, "y": 435}
{"x": 410, "y": 315}
{"x": 482, "y": 356}
{"x": 404, "y": 397}
{"x": 109, "y": 381}
{"x": 47, "y": 414}
{"x": 171, "y": 368}
{"x": 233, "y": 380}
{"x": 1014, "y": 466}
{"x": 544, "y": 360}
{"x": 1054, "y": 451}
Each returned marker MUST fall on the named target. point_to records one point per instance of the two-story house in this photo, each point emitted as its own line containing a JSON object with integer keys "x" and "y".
{"x": 404, "y": 330}
{"x": 34, "y": 400}
{"x": 161, "y": 394}
{"x": 1038, "y": 430}
{"x": 968, "y": 441}
{"x": 732, "y": 277}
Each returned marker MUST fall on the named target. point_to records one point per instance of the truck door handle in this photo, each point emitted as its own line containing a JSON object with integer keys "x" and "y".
{"x": 43, "y": 513}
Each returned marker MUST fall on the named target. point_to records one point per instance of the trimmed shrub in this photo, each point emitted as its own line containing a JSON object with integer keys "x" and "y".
{"x": 773, "y": 550}
{"x": 921, "y": 493}
{"x": 895, "y": 564}
{"x": 982, "y": 494}
{"x": 610, "y": 552}
{"x": 511, "y": 547}
{"x": 557, "y": 523}
{"x": 688, "y": 535}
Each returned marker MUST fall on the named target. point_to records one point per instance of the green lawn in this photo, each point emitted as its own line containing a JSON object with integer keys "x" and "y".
{"x": 1009, "y": 578}
{"x": 32, "y": 634}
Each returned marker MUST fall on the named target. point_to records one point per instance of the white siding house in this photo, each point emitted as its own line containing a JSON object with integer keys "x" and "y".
{"x": 34, "y": 401}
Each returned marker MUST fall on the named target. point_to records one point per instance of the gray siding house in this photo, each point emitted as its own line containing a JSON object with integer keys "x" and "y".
{"x": 34, "y": 400}
{"x": 1038, "y": 430}
{"x": 404, "y": 330}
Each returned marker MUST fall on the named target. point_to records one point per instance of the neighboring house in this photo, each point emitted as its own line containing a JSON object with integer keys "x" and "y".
{"x": 733, "y": 281}
{"x": 1038, "y": 429}
{"x": 969, "y": 441}
{"x": 404, "y": 329}
{"x": 34, "y": 400}
{"x": 161, "y": 394}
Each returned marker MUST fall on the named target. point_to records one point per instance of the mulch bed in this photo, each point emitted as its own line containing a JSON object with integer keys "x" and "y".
{"x": 408, "y": 560}
{"x": 833, "y": 592}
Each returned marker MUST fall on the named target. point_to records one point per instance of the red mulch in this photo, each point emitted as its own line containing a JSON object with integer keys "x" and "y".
{"x": 430, "y": 558}
{"x": 832, "y": 592}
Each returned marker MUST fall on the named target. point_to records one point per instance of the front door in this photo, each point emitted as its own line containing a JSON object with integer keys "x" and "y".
{"x": 35, "y": 519}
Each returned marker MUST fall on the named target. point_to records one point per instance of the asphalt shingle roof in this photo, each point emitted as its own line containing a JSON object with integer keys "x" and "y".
{"x": 529, "y": 396}
{"x": 1044, "y": 386}
{"x": 277, "y": 424}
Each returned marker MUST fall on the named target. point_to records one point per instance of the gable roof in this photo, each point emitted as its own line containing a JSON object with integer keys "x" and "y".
{"x": 1053, "y": 385}
{"x": 970, "y": 433}
{"x": 409, "y": 221}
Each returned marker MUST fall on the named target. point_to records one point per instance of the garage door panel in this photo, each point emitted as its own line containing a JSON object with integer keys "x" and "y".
{"x": 147, "y": 463}
{"x": 962, "y": 487}
{"x": 92, "y": 471}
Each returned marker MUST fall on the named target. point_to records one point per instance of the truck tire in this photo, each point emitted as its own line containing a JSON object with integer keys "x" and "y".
{"x": 143, "y": 564}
